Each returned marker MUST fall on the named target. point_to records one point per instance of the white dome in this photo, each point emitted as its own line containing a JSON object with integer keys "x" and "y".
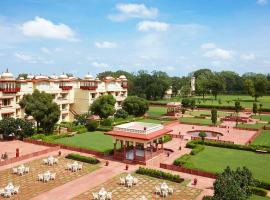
{"x": 63, "y": 76}
{"x": 41, "y": 77}
{"x": 54, "y": 77}
{"x": 7, "y": 75}
{"x": 108, "y": 77}
{"x": 30, "y": 76}
{"x": 122, "y": 77}
{"x": 88, "y": 77}
{"x": 21, "y": 78}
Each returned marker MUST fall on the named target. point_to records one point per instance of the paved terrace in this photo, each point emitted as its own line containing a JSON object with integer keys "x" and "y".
{"x": 25, "y": 148}
{"x": 229, "y": 134}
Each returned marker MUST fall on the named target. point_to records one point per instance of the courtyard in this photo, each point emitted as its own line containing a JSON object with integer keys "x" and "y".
{"x": 145, "y": 187}
{"x": 29, "y": 184}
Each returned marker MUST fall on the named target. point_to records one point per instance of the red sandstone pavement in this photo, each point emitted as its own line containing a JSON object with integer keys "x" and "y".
{"x": 25, "y": 148}
{"x": 229, "y": 134}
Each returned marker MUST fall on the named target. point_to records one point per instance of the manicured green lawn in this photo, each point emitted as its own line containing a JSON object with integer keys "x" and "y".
{"x": 256, "y": 197}
{"x": 196, "y": 120}
{"x": 155, "y": 111}
{"x": 258, "y": 125}
{"x": 263, "y": 139}
{"x": 155, "y": 121}
{"x": 208, "y": 112}
{"x": 97, "y": 141}
{"x": 214, "y": 159}
{"x": 228, "y": 100}
{"x": 265, "y": 118}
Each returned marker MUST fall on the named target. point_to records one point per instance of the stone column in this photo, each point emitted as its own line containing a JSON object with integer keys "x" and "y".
{"x": 124, "y": 148}
{"x": 134, "y": 150}
{"x": 114, "y": 149}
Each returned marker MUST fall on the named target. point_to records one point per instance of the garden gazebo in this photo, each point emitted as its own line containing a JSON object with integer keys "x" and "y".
{"x": 139, "y": 141}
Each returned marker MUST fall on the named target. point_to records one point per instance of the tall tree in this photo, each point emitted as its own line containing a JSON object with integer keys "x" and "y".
{"x": 103, "y": 106}
{"x": 233, "y": 184}
{"x": 41, "y": 107}
{"x": 255, "y": 108}
{"x": 255, "y": 85}
{"x": 135, "y": 105}
{"x": 214, "y": 116}
{"x": 216, "y": 85}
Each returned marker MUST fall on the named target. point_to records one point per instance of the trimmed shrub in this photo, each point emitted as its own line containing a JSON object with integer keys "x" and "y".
{"x": 81, "y": 158}
{"x": 106, "y": 122}
{"x": 121, "y": 113}
{"x": 186, "y": 102}
{"x": 197, "y": 149}
{"x": 105, "y": 128}
{"x": 91, "y": 125}
{"x": 159, "y": 174}
{"x": 264, "y": 185}
{"x": 182, "y": 160}
{"x": 258, "y": 191}
{"x": 218, "y": 107}
{"x": 207, "y": 198}
{"x": 167, "y": 138}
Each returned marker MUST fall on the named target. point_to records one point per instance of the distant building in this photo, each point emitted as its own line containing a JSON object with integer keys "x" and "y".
{"x": 73, "y": 96}
{"x": 168, "y": 93}
{"x": 193, "y": 84}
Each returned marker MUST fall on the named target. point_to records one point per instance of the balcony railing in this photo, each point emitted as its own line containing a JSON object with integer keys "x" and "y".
{"x": 125, "y": 86}
{"x": 88, "y": 87}
{"x": 10, "y": 90}
{"x": 65, "y": 87}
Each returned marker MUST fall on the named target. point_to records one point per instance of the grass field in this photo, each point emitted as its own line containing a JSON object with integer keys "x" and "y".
{"x": 156, "y": 111}
{"x": 265, "y": 118}
{"x": 256, "y": 197}
{"x": 96, "y": 141}
{"x": 214, "y": 159}
{"x": 196, "y": 120}
{"x": 263, "y": 139}
{"x": 208, "y": 112}
{"x": 155, "y": 121}
{"x": 228, "y": 100}
{"x": 258, "y": 125}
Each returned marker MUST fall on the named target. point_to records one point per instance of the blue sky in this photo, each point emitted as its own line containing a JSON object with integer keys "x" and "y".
{"x": 176, "y": 36}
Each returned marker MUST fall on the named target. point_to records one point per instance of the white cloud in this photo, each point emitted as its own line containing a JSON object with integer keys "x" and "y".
{"x": 43, "y": 28}
{"x": 105, "y": 45}
{"x": 219, "y": 53}
{"x": 100, "y": 64}
{"x": 32, "y": 59}
{"x": 208, "y": 46}
{"x": 45, "y": 50}
{"x": 133, "y": 10}
{"x": 170, "y": 68}
{"x": 262, "y": 2}
{"x": 152, "y": 25}
{"x": 249, "y": 56}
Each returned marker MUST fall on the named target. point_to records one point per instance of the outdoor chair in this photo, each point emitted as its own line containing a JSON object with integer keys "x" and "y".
{"x": 16, "y": 189}
{"x": 109, "y": 196}
{"x": 135, "y": 181}
{"x": 80, "y": 166}
{"x": 40, "y": 177}
{"x": 7, "y": 194}
{"x": 2, "y": 191}
{"x": 164, "y": 193}
{"x": 56, "y": 160}
{"x": 95, "y": 196}
{"x": 53, "y": 175}
{"x": 129, "y": 184}
{"x": 158, "y": 191}
{"x": 27, "y": 169}
{"x": 46, "y": 179}
{"x": 20, "y": 172}
{"x": 45, "y": 161}
{"x": 69, "y": 166}
{"x": 14, "y": 170}
{"x": 170, "y": 190}
{"x": 122, "y": 181}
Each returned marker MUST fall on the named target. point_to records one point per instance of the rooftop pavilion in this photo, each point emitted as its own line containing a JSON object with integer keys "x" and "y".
{"x": 139, "y": 141}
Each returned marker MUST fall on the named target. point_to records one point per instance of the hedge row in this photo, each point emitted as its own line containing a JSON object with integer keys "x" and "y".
{"x": 264, "y": 185}
{"x": 81, "y": 158}
{"x": 182, "y": 160}
{"x": 48, "y": 138}
{"x": 159, "y": 174}
{"x": 217, "y": 107}
{"x": 167, "y": 138}
{"x": 258, "y": 191}
{"x": 192, "y": 144}
{"x": 197, "y": 149}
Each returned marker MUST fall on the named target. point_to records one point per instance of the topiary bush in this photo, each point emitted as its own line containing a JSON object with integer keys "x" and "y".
{"x": 91, "y": 125}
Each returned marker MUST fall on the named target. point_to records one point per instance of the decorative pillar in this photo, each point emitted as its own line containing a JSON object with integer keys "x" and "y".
{"x": 162, "y": 144}
{"x": 114, "y": 149}
{"x": 134, "y": 150}
{"x": 17, "y": 152}
{"x": 151, "y": 148}
{"x": 144, "y": 156}
{"x": 124, "y": 148}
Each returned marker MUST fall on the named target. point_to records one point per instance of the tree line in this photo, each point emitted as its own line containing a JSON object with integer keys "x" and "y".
{"x": 153, "y": 85}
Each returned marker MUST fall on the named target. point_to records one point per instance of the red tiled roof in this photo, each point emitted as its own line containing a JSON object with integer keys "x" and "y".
{"x": 139, "y": 136}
